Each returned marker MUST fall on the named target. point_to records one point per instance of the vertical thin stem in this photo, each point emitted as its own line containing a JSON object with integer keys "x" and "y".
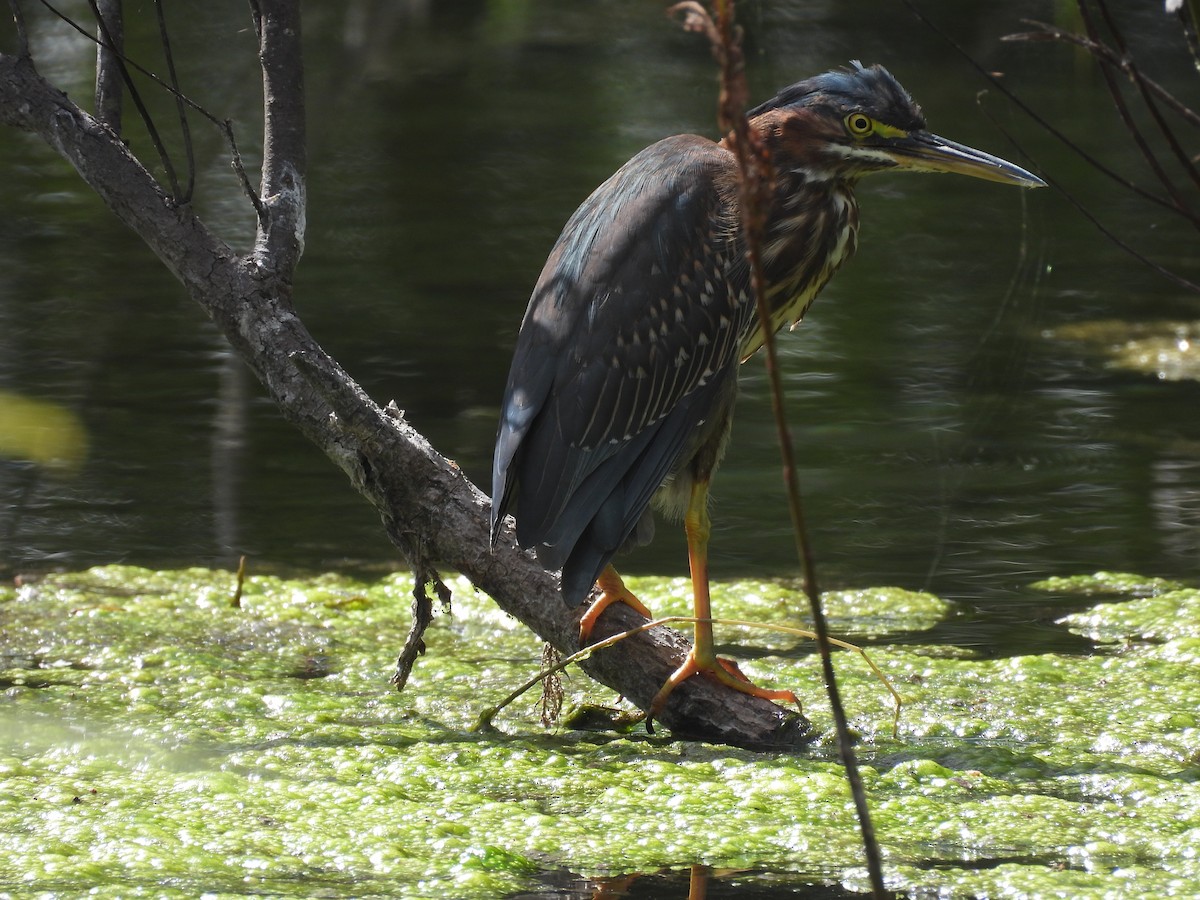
{"x": 22, "y": 34}
{"x": 281, "y": 237}
{"x": 110, "y": 46}
{"x": 185, "y": 130}
{"x": 755, "y": 186}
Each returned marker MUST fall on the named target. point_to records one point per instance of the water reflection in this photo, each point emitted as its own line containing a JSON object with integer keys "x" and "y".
{"x": 694, "y": 883}
{"x": 945, "y": 441}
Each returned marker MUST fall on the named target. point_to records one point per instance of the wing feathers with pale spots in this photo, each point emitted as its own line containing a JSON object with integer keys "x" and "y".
{"x": 625, "y": 321}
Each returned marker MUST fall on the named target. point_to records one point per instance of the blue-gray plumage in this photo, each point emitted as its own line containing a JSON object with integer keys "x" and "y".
{"x": 621, "y": 390}
{"x": 610, "y": 385}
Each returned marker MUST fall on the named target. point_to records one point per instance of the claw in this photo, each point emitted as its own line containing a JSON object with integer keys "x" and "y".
{"x": 725, "y": 671}
{"x": 612, "y": 590}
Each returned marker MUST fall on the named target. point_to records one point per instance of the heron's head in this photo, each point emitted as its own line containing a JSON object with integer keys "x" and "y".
{"x": 858, "y": 120}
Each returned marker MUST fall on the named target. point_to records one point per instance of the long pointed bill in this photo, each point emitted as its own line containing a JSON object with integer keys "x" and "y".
{"x": 924, "y": 152}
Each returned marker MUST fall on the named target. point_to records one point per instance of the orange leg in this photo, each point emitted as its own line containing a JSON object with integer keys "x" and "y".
{"x": 702, "y": 658}
{"x": 612, "y": 590}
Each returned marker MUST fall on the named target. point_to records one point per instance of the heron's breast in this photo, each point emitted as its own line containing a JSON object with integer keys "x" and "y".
{"x": 811, "y": 238}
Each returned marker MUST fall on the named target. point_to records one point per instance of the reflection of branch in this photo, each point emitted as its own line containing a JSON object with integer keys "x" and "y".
{"x": 228, "y": 450}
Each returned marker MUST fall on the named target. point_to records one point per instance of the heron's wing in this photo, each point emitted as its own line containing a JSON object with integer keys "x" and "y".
{"x": 626, "y": 331}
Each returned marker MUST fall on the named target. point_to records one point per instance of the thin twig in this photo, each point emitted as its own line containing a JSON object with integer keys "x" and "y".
{"x": 236, "y": 602}
{"x": 111, "y": 45}
{"x": 1067, "y": 142}
{"x": 185, "y": 130}
{"x": 225, "y": 126}
{"x": 1041, "y": 121}
{"x": 1122, "y": 108}
{"x": 755, "y": 185}
{"x": 1048, "y": 32}
{"x": 1135, "y": 73}
{"x": 1121, "y": 244}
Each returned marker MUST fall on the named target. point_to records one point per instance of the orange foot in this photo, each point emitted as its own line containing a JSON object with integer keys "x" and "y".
{"x": 612, "y": 590}
{"x": 725, "y": 671}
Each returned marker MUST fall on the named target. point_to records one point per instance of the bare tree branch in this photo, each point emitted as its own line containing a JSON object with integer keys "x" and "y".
{"x": 285, "y": 157}
{"x": 1105, "y": 53}
{"x": 108, "y": 75}
{"x": 225, "y": 126}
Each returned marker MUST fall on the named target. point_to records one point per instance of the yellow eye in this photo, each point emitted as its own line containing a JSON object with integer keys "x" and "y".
{"x": 859, "y": 125}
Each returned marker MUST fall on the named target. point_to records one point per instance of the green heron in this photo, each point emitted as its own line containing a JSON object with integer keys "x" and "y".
{"x": 622, "y": 386}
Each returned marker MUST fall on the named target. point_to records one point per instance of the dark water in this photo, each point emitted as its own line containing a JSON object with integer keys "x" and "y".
{"x": 946, "y": 442}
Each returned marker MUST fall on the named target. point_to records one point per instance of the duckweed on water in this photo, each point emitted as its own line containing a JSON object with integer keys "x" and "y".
{"x": 155, "y": 741}
{"x": 1170, "y": 351}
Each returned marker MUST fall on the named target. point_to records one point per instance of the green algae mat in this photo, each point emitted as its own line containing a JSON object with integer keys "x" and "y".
{"x": 155, "y": 741}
